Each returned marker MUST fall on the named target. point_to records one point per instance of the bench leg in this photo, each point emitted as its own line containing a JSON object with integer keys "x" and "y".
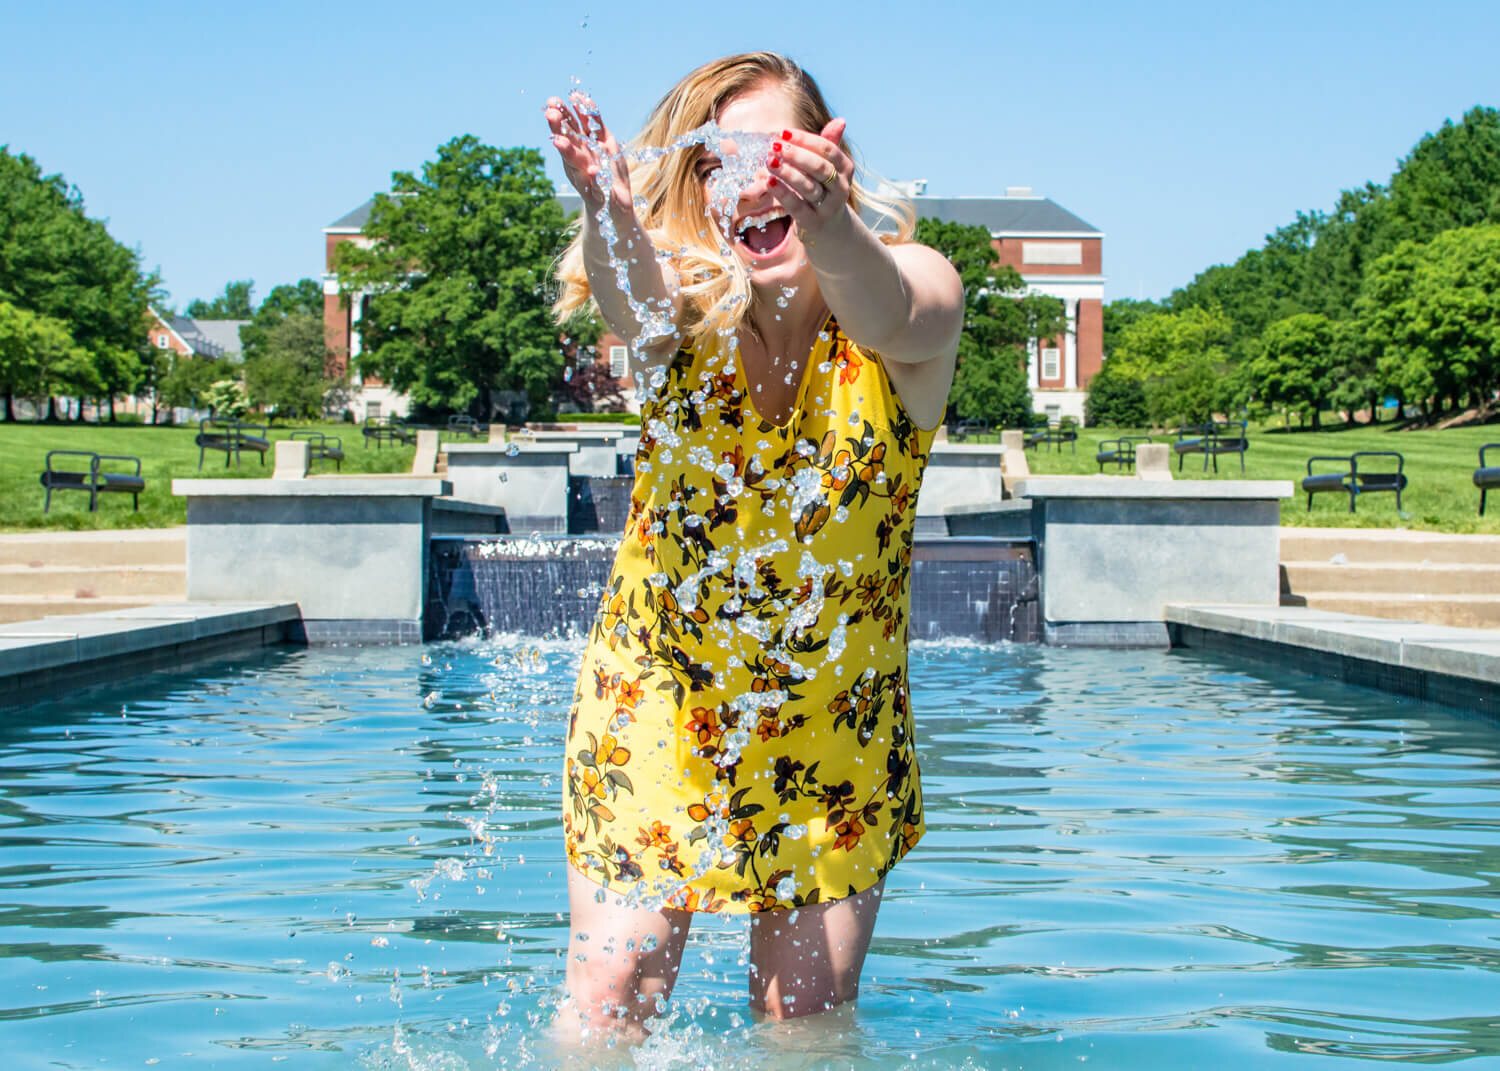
{"x": 1242, "y": 462}
{"x": 93, "y": 499}
{"x": 1180, "y": 459}
{"x": 1309, "y": 502}
{"x": 200, "y": 459}
{"x": 135, "y": 499}
{"x": 47, "y": 506}
{"x": 1352, "y": 493}
{"x": 1482, "y": 492}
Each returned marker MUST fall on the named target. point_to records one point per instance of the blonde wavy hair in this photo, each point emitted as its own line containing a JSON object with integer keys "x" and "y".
{"x": 715, "y": 285}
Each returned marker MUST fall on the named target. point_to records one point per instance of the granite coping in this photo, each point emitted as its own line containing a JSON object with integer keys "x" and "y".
{"x": 512, "y": 448}
{"x": 372, "y": 486}
{"x": 965, "y": 509}
{"x": 459, "y": 505}
{"x": 1466, "y": 653}
{"x": 1134, "y": 487}
{"x": 75, "y": 639}
{"x": 981, "y": 449}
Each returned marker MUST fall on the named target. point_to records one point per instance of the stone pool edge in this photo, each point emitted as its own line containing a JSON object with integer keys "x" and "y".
{"x": 41, "y": 659}
{"x": 1458, "y": 667}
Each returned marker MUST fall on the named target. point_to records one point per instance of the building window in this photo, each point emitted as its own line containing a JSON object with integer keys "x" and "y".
{"x": 161, "y": 342}
{"x": 1051, "y": 252}
{"x": 1054, "y": 415}
{"x": 1051, "y": 364}
{"x": 372, "y": 410}
{"x": 619, "y": 362}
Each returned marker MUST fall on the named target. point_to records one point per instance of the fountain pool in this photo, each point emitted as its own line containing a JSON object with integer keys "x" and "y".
{"x": 1134, "y": 859}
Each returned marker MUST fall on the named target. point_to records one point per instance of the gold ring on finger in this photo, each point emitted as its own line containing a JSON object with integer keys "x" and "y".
{"x": 831, "y": 176}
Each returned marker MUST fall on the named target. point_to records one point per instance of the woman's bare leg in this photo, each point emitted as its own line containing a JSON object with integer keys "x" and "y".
{"x": 621, "y": 959}
{"x": 809, "y": 960}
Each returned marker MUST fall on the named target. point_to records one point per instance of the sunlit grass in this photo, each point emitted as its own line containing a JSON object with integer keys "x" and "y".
{"x": 1439, "y": 465}
{"x": 166, "y": 453}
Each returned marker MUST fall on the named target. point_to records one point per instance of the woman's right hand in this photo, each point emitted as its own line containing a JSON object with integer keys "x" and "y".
{"x": 572, "y": 123}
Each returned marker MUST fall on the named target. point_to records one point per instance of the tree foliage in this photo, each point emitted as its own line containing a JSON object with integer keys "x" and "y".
{"x": 1431, "y": 313}
{"x": 302, "y": 298}
{"x": 1181, "y": 360}
{"x": 1298, "y": 364}
{"x": 1114, "y": 400}
{"x": 235, "y": 303}
{"x": 38, "y": 358}
{"x": 58, "y": 264}
{"x": 288, "y": 374}
{"x": 1000, "y": 319}
{"x": 457, "y": 271}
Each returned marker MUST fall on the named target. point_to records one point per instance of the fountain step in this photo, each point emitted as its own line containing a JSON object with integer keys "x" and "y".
{"x": 98, "y": 581}
{"x": 15, "y": 608}
{"x": 1379, "y": 545}
{"x": 1393, "y": 578}
{"x": 146, "y": 546}
{"x": 1461, "y": 611}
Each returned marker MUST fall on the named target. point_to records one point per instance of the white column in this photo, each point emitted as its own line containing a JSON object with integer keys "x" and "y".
{"x": 1070, "y": 345}
{"x": 1031, "y": 364}
{"x": 356, "y": 310}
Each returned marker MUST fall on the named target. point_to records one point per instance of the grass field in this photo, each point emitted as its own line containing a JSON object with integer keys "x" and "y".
{"x": 1440, "y": 494}
{"x": 166, "y": 453}
{"x": 1439, "y": 465}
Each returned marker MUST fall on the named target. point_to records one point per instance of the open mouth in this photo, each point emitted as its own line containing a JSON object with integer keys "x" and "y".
{"x": 763, "y": 235}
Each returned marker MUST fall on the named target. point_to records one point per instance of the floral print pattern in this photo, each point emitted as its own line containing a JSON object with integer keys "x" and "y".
{"x": 741, "y": 738}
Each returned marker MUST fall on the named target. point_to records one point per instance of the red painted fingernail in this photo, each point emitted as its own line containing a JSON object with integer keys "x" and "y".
{"x": 771, "y": 181}
{"x": 775, "y": 146}
{"x": 786, "y": 135}
{"x": 775, "y": 162}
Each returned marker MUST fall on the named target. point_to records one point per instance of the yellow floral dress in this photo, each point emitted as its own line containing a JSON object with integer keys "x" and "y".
{"x": 741, "y": 739}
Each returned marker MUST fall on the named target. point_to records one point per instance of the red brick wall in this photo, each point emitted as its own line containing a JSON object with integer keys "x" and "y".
{"x": 1093, "y": 256}
{"x": 1090, "y": 339}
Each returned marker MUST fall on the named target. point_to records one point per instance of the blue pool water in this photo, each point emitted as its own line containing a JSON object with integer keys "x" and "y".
{"x": 349, "y": 858}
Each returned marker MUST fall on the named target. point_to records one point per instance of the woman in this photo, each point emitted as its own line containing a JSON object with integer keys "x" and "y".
{"x": 742, "y": 736}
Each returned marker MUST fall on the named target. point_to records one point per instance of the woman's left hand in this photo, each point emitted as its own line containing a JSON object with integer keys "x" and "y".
{"x": 811, "y": 177}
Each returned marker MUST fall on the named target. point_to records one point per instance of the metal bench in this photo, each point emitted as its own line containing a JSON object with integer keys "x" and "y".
{"x": 232, "y": 437}
{"x": 1049, "y": 437}
{"x": 1350, "y": 480}
{"x": 1222, "y": 441}
{"x": 322, "y": 447}
{"x": 1119, "y": 452}
{"x": 460, "y": 424}
{"x": 384, "y": 430}
{"x": 1190, "y": 441}
{"x": 95, "y": 480}
{"x": 965, "y": 430}
{"x": 1486, "y": 476}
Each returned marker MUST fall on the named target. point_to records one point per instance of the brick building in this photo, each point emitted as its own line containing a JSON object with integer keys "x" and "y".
{"x": 1055, "y": 252}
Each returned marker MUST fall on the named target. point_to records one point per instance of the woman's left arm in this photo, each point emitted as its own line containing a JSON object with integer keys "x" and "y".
{"x": 905, "y": 301}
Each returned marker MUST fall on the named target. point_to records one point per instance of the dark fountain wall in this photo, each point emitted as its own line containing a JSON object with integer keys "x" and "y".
{"x": 970, "y": 588}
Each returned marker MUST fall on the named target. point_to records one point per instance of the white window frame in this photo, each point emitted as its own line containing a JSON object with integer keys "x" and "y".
{"x": 372, "y": 410}
{"x": 1052, "y": 363}
{"x": 161, "y": 342}
{"x": 619, "y": 362}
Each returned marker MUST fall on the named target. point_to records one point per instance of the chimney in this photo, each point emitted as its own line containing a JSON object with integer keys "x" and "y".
{"x": 1018, "y": 191}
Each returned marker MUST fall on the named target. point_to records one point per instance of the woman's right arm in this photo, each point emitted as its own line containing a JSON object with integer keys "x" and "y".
{"x": 648, "y": 325}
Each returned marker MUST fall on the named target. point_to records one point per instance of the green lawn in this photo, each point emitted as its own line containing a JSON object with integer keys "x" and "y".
{"x": 165, "y": 453}
{"x": 1440, "y": 494}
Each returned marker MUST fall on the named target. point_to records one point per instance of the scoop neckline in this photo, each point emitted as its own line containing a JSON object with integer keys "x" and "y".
{"x": 797, "y": 408}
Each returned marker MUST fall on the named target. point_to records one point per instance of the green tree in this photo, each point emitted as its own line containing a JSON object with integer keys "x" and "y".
{"x": 235, "y": 303}
{"x": 288, "y": 375}
{"x": 1181, "y": 359}
{"x": 1120, "y": 314}
{"x": 1432, "y": 314}
{"x": 1114, "y": 400}
{"x": 1000, "y": 318}
{"x": 1450, "y": 179}
{"x": 58, "y": 263}
{"x": 38, "y": 358}
{"x": 457, "y": 270}
{"x": 1298, "y": 364}
{"x": 187, "y": 383}
{"x": 226, "y": 399}
{"x": 302, "y": 298}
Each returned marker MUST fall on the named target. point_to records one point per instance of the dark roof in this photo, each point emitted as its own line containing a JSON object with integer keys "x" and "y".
{"x": 1005, "y": 215}
{"x": 210, "y": 338}
{"x": 1000, "y": 215}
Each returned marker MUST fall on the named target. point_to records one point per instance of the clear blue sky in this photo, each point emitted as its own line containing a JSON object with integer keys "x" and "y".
{"x": 221, "y": 138}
